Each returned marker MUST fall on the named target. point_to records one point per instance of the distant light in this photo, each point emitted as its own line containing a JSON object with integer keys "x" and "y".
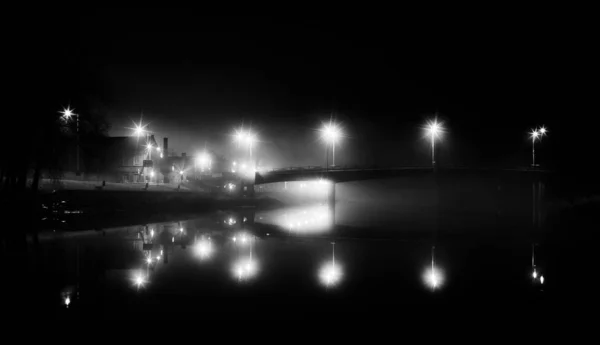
{"x": 173, "y": 240}
{"x": 149, "y": 260}
{"x": 330, "y": 274}
{"x": 181, "y": 229}
{"x": 434, "y": 128}
{"x": 331, "y": 133}
{"x": 245, "y": 269}
{"x": 139, "y": 280}
{"x": 67, "y": 112}
{"x": 234, "y": 163}
{"x": 534, "y": 274}
{"x": 161, "y": 252}
{"x": 152, "y": 174}
{"x": 172, "y": 168}
{"x": 180, "y": 172}
{"x": 67, "y": 301}
{"x": 234, "y": 239}
{"x": 542, "y": 280}
{"x": 149, "y": 146}
{"x": 543, "y": 130}
{"x": 243, "y": 166}
{"x": 152, "y": 233}
{"x": 158, "y": 149}
{"x": 434, "y": 278}
{"x": 534, "y": 134}
{"x": 161, "y": 155}
{"x": 204, "y": 249}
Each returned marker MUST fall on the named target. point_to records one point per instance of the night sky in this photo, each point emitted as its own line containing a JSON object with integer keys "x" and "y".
{"x": 196, "y": 78}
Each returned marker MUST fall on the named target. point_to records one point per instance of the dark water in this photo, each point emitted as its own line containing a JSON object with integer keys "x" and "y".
{"x": 300, "y": 261}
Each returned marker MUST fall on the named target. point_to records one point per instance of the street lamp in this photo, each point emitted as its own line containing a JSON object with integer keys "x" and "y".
{"x": 534, "y": 135}
{"x": 67, "y": 113}
{"x": 245, "y": 138}
{"x": 330, "y": 133}
{"x": 434, "y": 130}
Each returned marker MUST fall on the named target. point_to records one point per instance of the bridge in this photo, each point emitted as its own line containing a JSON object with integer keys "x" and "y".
{"x": 458, "y": 190}
{"x": 342, "y": 174}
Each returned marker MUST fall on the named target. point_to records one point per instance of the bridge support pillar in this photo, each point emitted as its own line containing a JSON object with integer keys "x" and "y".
{"x": 331, "y": 202}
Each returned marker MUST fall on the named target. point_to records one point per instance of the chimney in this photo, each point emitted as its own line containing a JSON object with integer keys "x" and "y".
{"x": 166, "y": 146}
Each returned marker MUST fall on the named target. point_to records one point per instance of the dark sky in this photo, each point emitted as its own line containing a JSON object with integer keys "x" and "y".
{"x": 196, "y": 78}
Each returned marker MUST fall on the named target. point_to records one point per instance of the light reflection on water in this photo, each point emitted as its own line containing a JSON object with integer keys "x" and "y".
{"x": 307, "y": 220}
{"x": 244, "y": 253}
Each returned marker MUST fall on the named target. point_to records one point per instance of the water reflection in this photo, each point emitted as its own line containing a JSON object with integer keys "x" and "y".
{"x": 536, "y": 273}
{"x": 330, "y": 273}
{"x": 313, "y": 219}
{"x": 245, "y": 268}
{"x": 433, "y": 276}
{"x": 203, "y": 248}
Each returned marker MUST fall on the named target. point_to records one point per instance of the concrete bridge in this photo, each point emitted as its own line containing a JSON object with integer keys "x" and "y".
{"x": 337, "y": 175}
{"x": 464, "y": 193}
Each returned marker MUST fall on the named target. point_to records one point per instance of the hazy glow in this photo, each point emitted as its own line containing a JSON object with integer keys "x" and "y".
{"x": 243, "y": 239}
{"x": 314, "y": 219}
{"x": 181, "y": 229}
{"x": 434, "y": 129}
{"x": 245, "y": 269}
{"x": 534, "y": 134}
{"x": 543, "y": 130}
{"x": 152, "y": 233}
{"x": 149, "y": 260}
{"x": 139, "y": 280}
{"x": 204, "y": 160}
{"x": 67, "y": 112}
{"x": 230, "y": 221}
{"x": 433, "y": 277}
{"x": 152, "y": 174}
{"x": 245, "y": 138}
{"x": 542, "y": 279}
{"x": 67, "y": 301}
{"x": 204, "y": 249}
{"x": 149, "y": 146}
{"x": 331, "y": 133}
{"x": 158, "y": 149}
{"x": 534, "y": 274}
{"x": 330, "y": 274}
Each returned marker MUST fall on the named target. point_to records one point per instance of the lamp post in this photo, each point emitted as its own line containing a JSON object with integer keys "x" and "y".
{"x": 330, "y": 133}
{"x": 433, "y": 130}
{"x": 67, "y": 113}
{"x": 536, "y": 134}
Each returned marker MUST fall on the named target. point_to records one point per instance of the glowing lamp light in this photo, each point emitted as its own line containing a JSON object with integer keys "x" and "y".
{"x": 245, "y": 269}
{"x": 152, "y": 233}
{"x": 67, "y": 112}
{"x": 67, "y": 301}
{"x": 534, "y": 274}
{"x": 180, "y": 172}
{"x": 149, "y": 146}
{"x": 173, "y": 240}
{"x": 181, "y": 229}
{"x": 433, "y": 278}
{"x": 149, "y": 260}
{"x": 331, "y": 133}
{"x": 330, "y": 274}
{"x": 203, "y": 249}
{"x": 139, "y": 280}
{"x": 152, "y": 174}
{"x": 542, "y": 280}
